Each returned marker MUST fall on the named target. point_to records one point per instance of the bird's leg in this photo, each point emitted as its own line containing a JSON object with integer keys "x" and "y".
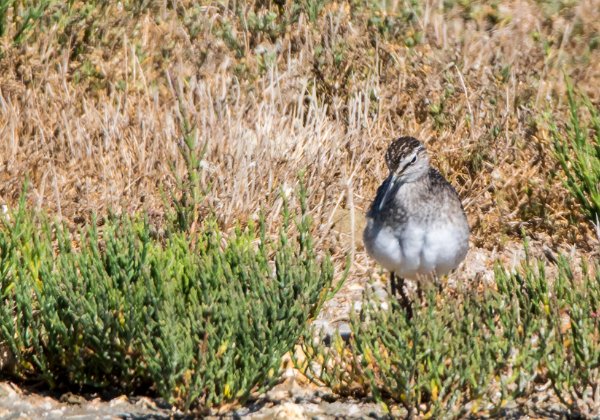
{"x": 406, "y": 303}
{"x": 393, "y": 285}
{"x": 397, "y": 288}
{"x": 438, "y": 282}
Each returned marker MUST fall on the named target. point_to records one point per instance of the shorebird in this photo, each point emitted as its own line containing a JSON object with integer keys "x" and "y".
{"x": 416, "y": 226}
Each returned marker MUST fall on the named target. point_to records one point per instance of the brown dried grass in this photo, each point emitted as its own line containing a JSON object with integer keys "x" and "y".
{"x": 99, "y": 129}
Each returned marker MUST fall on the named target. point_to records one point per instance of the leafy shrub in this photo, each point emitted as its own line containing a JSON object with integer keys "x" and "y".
{"x": 573, "y": 359}
{"x": 578, "y": 151}
{"x": 468, "y": 351}
{"x": 200, "y": 321}
{"x": 25, "y": 17}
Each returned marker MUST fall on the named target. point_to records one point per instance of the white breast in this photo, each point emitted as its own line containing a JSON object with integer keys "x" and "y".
{"x": 444, "y": 248}
{"x": 417, "y": 250}
{"x": 383, "y": 245}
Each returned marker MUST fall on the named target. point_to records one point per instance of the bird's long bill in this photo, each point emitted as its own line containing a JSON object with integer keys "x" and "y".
{"x": 389, "y": 191}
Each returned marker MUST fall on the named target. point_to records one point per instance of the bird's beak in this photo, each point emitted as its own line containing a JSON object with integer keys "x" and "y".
{"x": 389, "y": 190}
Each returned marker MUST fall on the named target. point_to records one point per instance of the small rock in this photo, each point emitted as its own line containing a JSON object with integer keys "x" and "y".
{"x": 56, "y": 413}
{"x": 146, "y": 403}
{"x": 119, "y": 400}
{"x": 354, "y": 410}
{"x": 316, "y": 368}
{"x": 289, "y": 411}
{"x": 356, "y": 287}
{"x": 47, "y": 404}
{"x": 70, "y": 398}
{"x": 278, "y": 394}
{"x": 381, "y": 294}
{"x": 289, "y": 373}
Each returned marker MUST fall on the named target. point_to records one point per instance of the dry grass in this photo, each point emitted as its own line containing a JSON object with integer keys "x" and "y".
{"x": 92, "y": 101}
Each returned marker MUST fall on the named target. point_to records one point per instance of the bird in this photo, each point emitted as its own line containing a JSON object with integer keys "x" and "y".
{"x": 416, "y": 225}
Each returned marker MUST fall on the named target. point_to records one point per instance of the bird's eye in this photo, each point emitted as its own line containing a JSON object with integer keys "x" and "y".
{"x": 413, "y": 160}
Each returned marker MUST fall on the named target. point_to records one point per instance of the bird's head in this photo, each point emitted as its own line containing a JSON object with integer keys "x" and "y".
{"x": 407, "y": 161}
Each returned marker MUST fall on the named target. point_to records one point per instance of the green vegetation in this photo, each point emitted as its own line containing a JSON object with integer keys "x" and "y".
{"x": 577, "y": 148}
{"x": 470, "y": 351}
{"x": 186, "y": 198}
{"x": 199, "y": 320}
